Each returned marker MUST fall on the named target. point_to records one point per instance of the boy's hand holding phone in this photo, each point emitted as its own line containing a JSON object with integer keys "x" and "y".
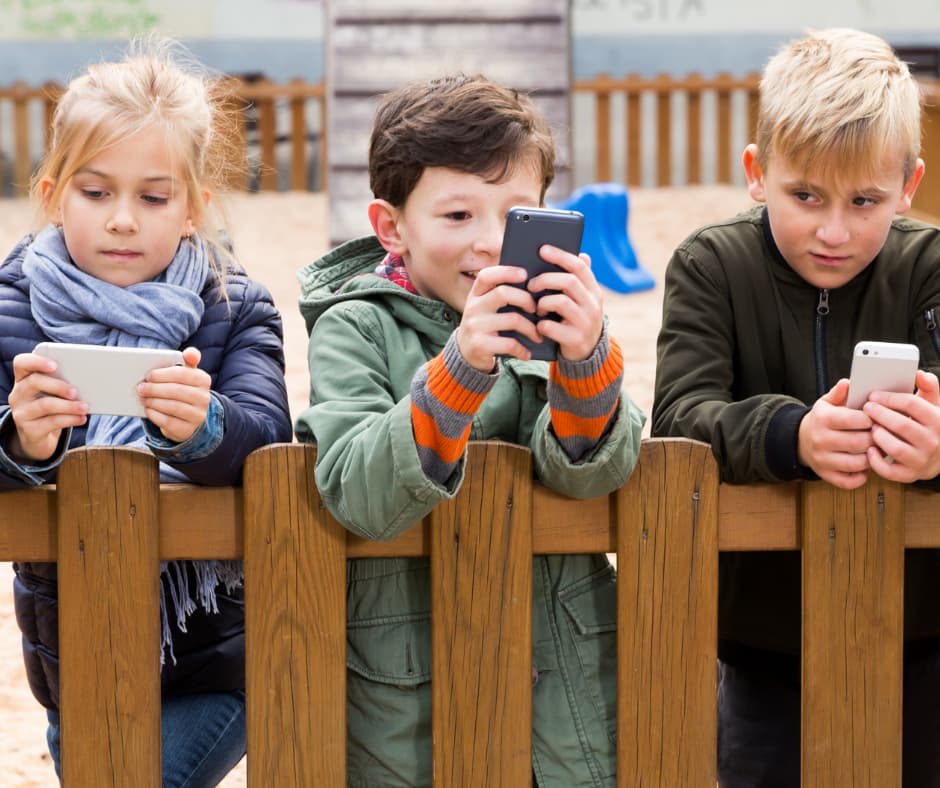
{"x": 568, "y": 312}
{"x": 906, "y": 429}
{"x": 577, "y": 300}
{"x": 876, "y": 412}
{"x": 486, "y": 331}
{"x": 833, "y": 439}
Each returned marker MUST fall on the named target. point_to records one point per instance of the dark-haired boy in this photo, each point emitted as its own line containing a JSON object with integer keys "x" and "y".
{"x": 407, "y": 364}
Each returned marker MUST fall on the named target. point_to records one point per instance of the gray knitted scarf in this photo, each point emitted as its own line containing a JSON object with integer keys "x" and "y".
{"x": 72, "y": 306}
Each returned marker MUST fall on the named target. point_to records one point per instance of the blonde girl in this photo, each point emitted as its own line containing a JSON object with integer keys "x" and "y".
{"x": 131, "y": 256}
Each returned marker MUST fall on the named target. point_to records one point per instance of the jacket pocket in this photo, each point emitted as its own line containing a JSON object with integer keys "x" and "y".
{"x": 388, "y": 620}
{"x": 591, "y": 607}
{"x": 391, "y": 650}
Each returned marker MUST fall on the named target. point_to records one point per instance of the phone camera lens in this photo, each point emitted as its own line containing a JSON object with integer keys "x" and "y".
{"x": 525, "y": 217}
{"x": 865, "y": 352}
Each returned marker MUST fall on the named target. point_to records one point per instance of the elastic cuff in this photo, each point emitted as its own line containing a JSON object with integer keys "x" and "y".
{"x": 33, "y": 474}
{"x": 197, "y": 446}
{"x": 782, "y": 444}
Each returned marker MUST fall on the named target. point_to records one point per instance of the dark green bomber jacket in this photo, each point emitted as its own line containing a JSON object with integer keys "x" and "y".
{"x": 746, "y": 347}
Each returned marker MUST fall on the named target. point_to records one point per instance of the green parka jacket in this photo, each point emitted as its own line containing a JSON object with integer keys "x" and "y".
{"x": 368, "y": 337}
{"x": 746, "y": 347}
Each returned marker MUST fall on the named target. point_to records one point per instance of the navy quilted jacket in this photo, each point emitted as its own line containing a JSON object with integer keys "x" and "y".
{"x": 242, "y": 349}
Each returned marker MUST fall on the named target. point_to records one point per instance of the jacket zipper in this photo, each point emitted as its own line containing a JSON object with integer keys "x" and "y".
{"x": 822, "y": 373}
{"x": 931, "y": 319}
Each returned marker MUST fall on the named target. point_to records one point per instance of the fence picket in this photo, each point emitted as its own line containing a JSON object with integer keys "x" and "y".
{"x": 295, "y": 585}
{"x": 109, "y": 618}
{"x": 853, "y": 614}
{"x": 481, "y": 609}
{"x": 667, "y": 586}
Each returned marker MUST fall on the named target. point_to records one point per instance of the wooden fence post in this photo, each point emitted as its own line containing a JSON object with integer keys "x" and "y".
{"x": 853, "y": 587}
{"x": 295, "y": 578}
{"x": 481, "y": 607}
{"x": 667, "y": 617}
{"x": 109, "y": 618}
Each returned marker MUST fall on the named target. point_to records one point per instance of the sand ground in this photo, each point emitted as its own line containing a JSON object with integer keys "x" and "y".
{"x": 275, "y": 235}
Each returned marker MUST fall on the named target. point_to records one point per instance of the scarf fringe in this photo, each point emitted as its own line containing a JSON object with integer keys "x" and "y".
{"x": 209, "y": 576}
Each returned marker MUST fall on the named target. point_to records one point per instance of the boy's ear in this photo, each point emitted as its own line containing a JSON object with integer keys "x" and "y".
{"x": 46, "y": 187}
{"x": 754, "y": 173}
{"x": 384, "y": 219}
{"x": 910, "y": 186}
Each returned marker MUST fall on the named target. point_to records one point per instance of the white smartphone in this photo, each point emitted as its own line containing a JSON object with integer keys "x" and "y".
{"x": 107, "y": 377}
{"x": 526, "y": 230}
{"x": 881, "y": 366}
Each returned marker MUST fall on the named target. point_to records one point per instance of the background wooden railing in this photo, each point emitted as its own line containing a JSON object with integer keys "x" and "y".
{"x": 282, "y": 133}
{"x": 660, "y": 131}
{"x": 657, "y": 106}
{"x": 108, "y": 523}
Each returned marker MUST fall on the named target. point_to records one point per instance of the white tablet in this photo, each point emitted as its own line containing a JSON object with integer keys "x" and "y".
{"x": 107, "y": 377}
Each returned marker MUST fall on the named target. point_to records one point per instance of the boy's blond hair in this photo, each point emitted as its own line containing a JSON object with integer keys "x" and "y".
{"x": 157, "y": 85}
{"x": 835, "y": 102}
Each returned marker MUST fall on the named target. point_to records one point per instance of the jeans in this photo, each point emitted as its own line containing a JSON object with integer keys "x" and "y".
{"x": 759, "y": 722}
{"x": 203, "y": 738}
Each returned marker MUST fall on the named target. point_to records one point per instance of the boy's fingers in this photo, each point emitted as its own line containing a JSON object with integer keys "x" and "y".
{"x": 838, "y": 394}
{"x": 494, "y": 275}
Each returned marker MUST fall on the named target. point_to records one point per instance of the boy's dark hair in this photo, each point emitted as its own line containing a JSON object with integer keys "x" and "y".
{"x": 469, "y": 124}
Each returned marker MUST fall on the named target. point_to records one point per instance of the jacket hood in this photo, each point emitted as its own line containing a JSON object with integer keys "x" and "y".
{"x": 346, "y": 274}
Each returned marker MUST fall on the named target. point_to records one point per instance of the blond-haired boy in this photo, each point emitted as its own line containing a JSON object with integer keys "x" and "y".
{"x": 760, "y": 316}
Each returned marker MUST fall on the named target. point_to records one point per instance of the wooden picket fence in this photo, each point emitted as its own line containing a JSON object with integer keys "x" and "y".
{"x": 109, "y": 522}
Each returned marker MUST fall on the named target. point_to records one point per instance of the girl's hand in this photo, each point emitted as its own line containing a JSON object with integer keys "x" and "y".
{"x": 579, "y": 302}
{"x": 41, "y": 406}
{"x": 478, "y": 335}
{"x": 176, "y": 399}
{"x": 906, "y": 429}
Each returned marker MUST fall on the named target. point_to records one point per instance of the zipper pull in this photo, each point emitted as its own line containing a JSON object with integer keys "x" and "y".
{"x": 822, "y": 308}
{"x": 931, "y": 319}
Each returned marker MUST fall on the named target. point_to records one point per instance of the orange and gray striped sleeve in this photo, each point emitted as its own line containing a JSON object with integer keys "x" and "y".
{"x": 583, "y": 396}
{"x": 446, "y": 394}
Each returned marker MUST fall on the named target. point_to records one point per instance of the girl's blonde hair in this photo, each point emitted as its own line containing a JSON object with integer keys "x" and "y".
{"x": 156, "y": 85}
{"x": 836, "y": 102}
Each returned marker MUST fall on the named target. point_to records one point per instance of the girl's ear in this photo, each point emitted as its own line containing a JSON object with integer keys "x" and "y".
{"x": 384, "y": 219}
{"x": 189, "y": 226}
{"x": 754, "y": 173}
{"x": 46, "y": 188}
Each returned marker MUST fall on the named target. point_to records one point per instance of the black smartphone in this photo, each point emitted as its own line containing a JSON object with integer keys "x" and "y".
{"x": 527, "y": 229}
